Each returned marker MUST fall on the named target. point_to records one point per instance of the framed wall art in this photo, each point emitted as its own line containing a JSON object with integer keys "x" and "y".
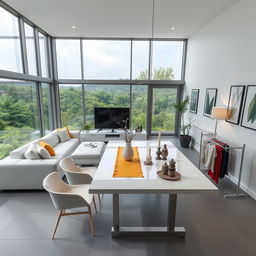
{"x": 210, "y": 101}
{"x": 249, "y": 112}
{"x": 194, "y": 101}
{"x": 235, "y": 103}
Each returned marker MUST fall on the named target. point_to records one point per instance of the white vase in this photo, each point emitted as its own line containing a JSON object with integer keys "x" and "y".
{"x": 128, "y": 151}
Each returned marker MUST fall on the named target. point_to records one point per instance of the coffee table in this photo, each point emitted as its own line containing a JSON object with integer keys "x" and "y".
{"x": 192, "y": 181}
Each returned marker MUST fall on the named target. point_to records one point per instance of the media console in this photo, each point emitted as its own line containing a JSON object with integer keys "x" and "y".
{"x": 107, "y": 135}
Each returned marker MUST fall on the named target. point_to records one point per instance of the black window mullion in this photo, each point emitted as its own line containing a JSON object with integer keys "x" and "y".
{"x": 23, "y": 46}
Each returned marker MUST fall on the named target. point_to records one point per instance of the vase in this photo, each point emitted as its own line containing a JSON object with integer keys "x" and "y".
{"x": 128, "y": 151}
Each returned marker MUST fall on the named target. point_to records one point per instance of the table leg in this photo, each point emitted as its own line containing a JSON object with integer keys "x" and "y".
{"x": 115, "y": 228}
{"x": 169, "y": 230}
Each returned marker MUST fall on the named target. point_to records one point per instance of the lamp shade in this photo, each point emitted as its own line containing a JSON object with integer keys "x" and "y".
{"x": 219, "y": 113}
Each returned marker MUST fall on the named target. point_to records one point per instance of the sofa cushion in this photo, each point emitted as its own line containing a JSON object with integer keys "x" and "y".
{"x": 43, "y": 152}
{"x": 51, "y": 138}
{"x": 63, "y": 149}
{"x": 18, "y": 153}
{"x": 63, "y": 135}
{"x": 48, "y": 147}
{"x": 31, "y": 152}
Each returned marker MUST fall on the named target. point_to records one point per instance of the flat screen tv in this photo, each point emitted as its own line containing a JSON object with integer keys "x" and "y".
{"x": 111, "y": 118}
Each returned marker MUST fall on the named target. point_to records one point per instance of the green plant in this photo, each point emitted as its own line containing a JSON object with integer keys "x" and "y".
{"x": 209, "y": 104}
{"x": 182, "y": 107}
{"x": 252, "y": 110}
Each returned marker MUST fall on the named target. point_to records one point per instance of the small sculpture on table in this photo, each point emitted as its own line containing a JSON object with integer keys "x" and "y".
{"x": 172, "y": 168}
{"x": 165, "y": 168}
{"x": 164, "y": 152}
{"x": 168, "y": 172}
{"x": 158, "y": 151}
{"x": 148, "y": 160}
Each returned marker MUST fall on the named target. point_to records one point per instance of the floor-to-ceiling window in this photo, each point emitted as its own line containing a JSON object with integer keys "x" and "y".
{"x": 163, "y": 116}
{"x": 10, "y": 47}
{"x": 25, "y": 100}
{"x": 19, "y": 120}
{"x": 104, "y": 96}
{"x": 71, "y": 105}
{"x": 122, "y": 73}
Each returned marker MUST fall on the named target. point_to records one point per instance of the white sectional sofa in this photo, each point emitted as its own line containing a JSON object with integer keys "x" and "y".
{"x": 16, "y": 172}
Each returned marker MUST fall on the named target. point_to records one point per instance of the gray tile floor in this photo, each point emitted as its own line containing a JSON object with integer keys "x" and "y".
{"x": 215, "y": 226}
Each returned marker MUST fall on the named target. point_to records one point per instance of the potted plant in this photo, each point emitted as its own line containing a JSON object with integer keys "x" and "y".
{"x": 185, "y": 138}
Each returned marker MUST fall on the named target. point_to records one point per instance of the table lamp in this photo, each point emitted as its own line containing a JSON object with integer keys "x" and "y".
{"x": 218, "y": 113}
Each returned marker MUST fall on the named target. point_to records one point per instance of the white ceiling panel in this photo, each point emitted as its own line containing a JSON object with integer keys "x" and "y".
{"x": 121, "y": 18}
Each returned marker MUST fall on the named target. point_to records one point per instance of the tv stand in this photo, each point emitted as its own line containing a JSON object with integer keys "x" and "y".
{"x": 108, "y": 135}
{"x": 99, "y": 130}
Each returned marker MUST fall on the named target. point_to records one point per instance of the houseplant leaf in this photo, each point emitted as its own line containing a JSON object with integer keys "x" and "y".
{"x": 251, "y": 114}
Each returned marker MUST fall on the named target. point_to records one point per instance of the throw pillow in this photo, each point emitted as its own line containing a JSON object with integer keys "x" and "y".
{"x": 63, "y": 135}
{"x": 66, "y": 129}
{"x": 43, "y": 152}
{"x": 31, "y": 152}
{"x": 48, "y": 147}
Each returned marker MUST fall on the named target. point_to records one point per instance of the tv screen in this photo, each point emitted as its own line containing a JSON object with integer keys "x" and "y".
{"x": 109, "y": 118}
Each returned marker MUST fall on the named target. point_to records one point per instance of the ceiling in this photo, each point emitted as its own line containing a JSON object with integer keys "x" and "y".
{"x": 121, "y": 18}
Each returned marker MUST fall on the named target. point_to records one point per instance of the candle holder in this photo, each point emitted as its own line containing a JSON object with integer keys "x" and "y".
{"x": 148, "y": 161}
{"x": 158, "y": 154}
{"x": 164, "y": 152}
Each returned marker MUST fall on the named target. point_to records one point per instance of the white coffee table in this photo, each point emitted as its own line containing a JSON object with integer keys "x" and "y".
{"x": 192, "y": 181}
{"x": 85, "y": 154}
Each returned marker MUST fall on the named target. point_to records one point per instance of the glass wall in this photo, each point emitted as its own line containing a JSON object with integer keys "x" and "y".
{"x": 139, "y": 101}
{"x": 31, "y": 50}
{"x": 104, "y": 96}
{"x": 71, "y": 109}
{"x": 47, "y": 108}
{"x": 43, "y": 54}
{"x": 10, "y": 48}
{"x": 167, "y": 60}
{"x": 19, "y": 119}
{"x": 140, "y": 60}
{"x": 106, "y": 59}
{"x": 163, "y": 112}
{"x": 69, "y": 59}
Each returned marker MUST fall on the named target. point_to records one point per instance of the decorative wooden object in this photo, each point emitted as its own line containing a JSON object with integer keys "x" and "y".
{"x": 172, "y": 168}
{"x": 168, "y": 172}
{"x": 164, "y": 152}
{"x": 158, "y": 153}
{"x": 165, "y": 168}
{"x": 167, "y": 177}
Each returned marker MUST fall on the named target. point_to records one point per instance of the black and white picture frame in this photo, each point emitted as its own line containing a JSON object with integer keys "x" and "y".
{"x": 210, "y": 101}
{"x": 249, "y": 112}
{"x": 235, "y": 102}
{"x": 194, "y": 101}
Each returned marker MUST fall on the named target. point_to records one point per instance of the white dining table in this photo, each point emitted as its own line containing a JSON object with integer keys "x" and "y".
{"x": 192, "y": 181}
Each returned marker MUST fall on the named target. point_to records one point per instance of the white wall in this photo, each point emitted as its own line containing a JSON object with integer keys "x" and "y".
{"x": 221, "y": 54}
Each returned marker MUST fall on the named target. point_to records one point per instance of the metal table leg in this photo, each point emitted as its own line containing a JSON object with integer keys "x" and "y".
{"x": 169, "y": 230}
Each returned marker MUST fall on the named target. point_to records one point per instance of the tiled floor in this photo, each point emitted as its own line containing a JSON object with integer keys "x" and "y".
{"x": 215, "y": 226}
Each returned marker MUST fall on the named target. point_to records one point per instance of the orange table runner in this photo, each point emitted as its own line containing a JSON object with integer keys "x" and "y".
{"x": 127, "y": 169}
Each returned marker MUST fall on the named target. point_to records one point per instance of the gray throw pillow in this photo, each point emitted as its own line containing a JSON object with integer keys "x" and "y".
{"x": 43, "y": 152}
{"x": 31, "y": 152}
{"x": 63, "y": 135}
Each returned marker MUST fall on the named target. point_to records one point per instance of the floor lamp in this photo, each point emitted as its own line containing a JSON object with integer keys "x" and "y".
{"x": 218, "y": 113}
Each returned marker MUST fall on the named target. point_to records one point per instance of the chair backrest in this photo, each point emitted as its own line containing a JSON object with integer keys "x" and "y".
{"x": 74, "y": 174}
{"x": 54, "y": 184}
{"x": 61, "y": 193}
{"x": 67, "y": 164}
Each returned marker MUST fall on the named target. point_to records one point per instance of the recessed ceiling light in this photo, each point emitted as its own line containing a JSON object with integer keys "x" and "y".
{"x": 74, "y": 27}
{"x": 172, "y": 28}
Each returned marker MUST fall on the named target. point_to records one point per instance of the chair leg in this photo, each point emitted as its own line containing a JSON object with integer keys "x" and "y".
{"x": 57, "y": 223}
{"x": 91, "y": 220}
{"x": 99, "y": 199}
{"x": 94, "y": 203}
